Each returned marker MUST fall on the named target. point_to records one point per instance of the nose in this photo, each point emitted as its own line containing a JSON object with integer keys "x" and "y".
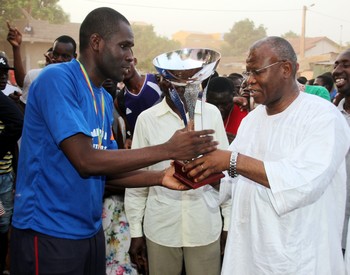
{"x": 3, "y": 76}
{"x": 248, "y": 81}
{"x": 57, "y": 59}
{"x": 337, "y": 69}
{"x": 130, "y": 56}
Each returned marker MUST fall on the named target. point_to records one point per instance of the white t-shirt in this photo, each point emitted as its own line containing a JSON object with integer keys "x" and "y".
{"x": 9, "y": 89}
{"x": 28, "y": 79}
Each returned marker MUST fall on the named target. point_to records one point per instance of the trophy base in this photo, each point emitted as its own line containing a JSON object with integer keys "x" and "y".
{"x": 181, "y": 176}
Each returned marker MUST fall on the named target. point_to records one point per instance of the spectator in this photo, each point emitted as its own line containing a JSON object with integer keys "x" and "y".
{"x": 341, "y": 73}
{"x": 326, "y": 80}
{"x": 220, "y": 93}
{"x": 114, "y": 222}
{"x": 237, "y": 80}
{"x": 175, "y": 227}
{"x": 139, "y": 93}
{"x": 63, "y": 50}
{"x": 302, "y": 80}
{"x": 11, "y": 122}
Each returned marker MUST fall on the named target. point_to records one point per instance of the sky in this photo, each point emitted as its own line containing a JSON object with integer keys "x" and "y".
{"x": 329, "y": 18}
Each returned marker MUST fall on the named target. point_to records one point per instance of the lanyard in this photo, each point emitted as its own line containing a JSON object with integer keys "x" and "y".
{"x": 87, "y": 79}
{"x": 178, "y": 104}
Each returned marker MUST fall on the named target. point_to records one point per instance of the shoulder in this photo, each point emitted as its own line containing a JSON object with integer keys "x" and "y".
{"x": 152, "y": 77}
{"x": 316, "y": 109}
{"x": 154, "y": 111}
{"x": 56, "y": 70}
{"x": 60, "y": 75}
{"x": 209, "y": 107}
{"x": 34, "y": 72}
{"x": 318, "y": 90}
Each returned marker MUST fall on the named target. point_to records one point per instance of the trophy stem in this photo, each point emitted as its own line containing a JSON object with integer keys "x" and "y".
{"x": 191, "y": 96}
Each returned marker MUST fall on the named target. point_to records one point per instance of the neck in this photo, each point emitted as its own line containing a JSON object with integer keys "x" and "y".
{"x": 172, "y": 106}
{"x": 135, "y": 83}
{"x": 282, "y": 104}
{"x": 95, "y": 77}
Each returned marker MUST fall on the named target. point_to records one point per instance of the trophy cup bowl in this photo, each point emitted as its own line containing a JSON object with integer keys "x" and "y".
{"x": 188, "y": 67}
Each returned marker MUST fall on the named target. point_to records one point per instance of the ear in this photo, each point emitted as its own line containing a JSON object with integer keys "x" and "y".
{"x": 95, "y": 41}
{"x": 287, "y": 69}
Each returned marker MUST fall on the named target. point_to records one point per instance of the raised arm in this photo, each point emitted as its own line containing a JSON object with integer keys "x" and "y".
{"x": 14, "y": 37}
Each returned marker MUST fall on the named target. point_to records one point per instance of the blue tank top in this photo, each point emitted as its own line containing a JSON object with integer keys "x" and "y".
{"x": 149, "y": 95}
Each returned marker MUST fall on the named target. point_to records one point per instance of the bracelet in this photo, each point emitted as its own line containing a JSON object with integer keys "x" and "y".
{"x": 232, "y": 172}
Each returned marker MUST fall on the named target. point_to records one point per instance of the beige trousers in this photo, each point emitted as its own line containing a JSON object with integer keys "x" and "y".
{"x": 200, "y": 260}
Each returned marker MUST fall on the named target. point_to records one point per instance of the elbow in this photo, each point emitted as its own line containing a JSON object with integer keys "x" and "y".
{"x": 84, "y": 168}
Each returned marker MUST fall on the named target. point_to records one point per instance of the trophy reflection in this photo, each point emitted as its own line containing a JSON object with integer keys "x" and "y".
{"x": 188, "y": 68}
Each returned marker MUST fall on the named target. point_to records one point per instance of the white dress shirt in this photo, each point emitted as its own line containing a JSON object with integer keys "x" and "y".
{"x": 173, "y": 218}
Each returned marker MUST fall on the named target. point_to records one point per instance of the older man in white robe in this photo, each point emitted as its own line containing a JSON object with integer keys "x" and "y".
{"x": 287, "y": 169}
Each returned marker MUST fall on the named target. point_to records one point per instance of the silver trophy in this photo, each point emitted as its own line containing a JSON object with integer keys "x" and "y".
{"x": 187, "y": 67}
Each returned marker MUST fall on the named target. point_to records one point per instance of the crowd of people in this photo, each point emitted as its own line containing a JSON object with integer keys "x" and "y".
{"x": 87, "y": 183}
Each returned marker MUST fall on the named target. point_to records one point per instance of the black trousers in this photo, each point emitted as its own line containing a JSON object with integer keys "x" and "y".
{"x": 33, "y": 253}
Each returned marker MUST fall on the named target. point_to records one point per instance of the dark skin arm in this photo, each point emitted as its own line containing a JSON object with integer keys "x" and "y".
{"x": 242, "y": 102}
{"x": 115, "y": 163}
{"x": 219, "y": 160}
{"x": 138, "y": 254}
{"x": 14, "y": 37}
{"x": 223, "y": 239}
{"x": 140, "y": 178}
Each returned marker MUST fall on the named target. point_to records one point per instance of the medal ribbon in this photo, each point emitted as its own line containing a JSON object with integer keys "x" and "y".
{"x": 87, "y": 79}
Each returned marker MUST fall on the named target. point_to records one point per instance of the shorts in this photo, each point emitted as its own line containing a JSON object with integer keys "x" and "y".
{"x": 36, "y": 253}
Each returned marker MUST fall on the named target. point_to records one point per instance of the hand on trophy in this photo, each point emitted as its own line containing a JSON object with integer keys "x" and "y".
{"x": 171, "y": 182}
{"x": 185, "y": 145}
{"x": 201, "y": 168}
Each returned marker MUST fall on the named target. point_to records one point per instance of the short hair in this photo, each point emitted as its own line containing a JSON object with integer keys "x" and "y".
{"x": 220, "y": 84}
{"x": 104, "y": 21}
{"x": 327, "y": 81}
{"x": 234, "y": 76}
{"x": 67, "y": 40}
{"x": 310, "y": 81}
{"x": 212, "y": 76}
{"x": 281, "y": 47}
{"x": 302, "y": 80}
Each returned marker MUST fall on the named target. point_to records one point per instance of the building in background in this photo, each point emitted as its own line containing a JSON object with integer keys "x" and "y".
{"x": 38, "y": 36}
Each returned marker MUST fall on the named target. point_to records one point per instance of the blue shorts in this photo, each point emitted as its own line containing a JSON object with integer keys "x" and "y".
{"x": 6, "y": 198}
{"x": 36, "y": 253}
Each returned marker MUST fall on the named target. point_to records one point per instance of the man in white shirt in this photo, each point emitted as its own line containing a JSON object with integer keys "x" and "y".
{"x": 287, "y": 168}
{"x": 178, "y": 225}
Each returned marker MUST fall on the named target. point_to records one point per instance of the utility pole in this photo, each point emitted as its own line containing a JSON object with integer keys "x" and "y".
{"x": 302, "y": 37}
{"x": 303, "y": 27}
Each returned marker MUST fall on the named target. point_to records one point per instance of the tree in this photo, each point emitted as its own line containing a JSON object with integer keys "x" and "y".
{"x": 148, "y": 45}
{"x": 38, "y": 9}
{"x": 241, "y": 36}
{"x": 290, "y": 34}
